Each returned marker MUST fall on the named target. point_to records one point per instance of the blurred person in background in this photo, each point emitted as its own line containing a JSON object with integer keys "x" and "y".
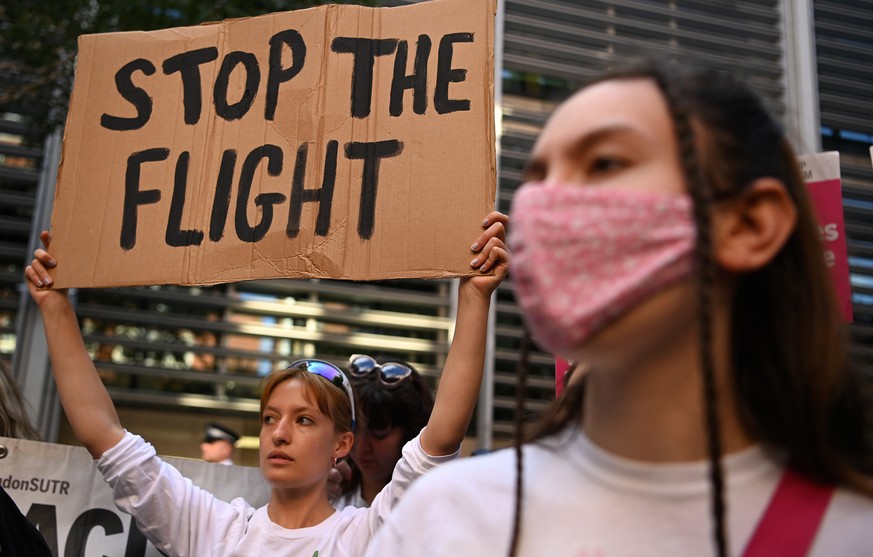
{"x": 218, "y": 444}
{"x": 394, "y": 403}
{"x": 18, "y": 537}
{"x": 14, "y": 421}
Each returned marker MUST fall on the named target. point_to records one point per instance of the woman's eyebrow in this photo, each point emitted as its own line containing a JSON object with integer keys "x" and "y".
{"x": 296, "y": 408}
{"x": 536, "y": 167}
{"x": 589, "y": 139}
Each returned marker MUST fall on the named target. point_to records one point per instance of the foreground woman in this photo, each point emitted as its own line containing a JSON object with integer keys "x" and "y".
{"x": 665, "y": 239}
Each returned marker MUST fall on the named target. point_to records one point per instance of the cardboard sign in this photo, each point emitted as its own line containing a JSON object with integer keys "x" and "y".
{"x": 60, "y": 491}
{"x": 334, "y": 142}
{"x": 821, "y": 172}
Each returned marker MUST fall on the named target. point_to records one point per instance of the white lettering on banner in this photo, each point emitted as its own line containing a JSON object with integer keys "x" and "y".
{"x": 60, "y": 491}
{"x": 828, "y": 232}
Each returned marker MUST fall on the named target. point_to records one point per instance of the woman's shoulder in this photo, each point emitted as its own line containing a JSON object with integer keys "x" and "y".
{"x": 846, "y": 528}
{"x": 851, "y": 509}
{"x": 461, "y": 474}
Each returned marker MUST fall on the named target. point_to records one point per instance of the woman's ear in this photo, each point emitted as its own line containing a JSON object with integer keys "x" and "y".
{"x": 750, "y": 230}
{"x": 345, "y": 441}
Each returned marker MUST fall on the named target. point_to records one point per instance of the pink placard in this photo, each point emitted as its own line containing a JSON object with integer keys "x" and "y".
{"x": 561, "y": 367}
{"x": 822, "y": 174}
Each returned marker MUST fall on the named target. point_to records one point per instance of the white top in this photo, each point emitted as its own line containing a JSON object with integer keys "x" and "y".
{"x": 352, "y": 498}
{"x": 580, "y": 501}
{"x": 184, "y": 520}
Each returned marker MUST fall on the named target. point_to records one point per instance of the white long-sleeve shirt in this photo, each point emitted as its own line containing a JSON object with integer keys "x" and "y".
{"x": 580, "y": 501}
{"x": 183, "y": 520}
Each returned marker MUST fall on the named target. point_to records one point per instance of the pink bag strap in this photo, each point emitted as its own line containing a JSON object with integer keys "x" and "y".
{"x": 792, "y": 518}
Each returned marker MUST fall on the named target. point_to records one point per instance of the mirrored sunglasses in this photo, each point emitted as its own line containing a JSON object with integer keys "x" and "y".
{"x": 391, "y": 374}
{"x": 332, "y": 374}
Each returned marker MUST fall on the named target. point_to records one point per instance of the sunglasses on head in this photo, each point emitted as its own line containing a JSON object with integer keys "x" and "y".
{"x": 332, "y": 374}
{"x": 391, "y": 374}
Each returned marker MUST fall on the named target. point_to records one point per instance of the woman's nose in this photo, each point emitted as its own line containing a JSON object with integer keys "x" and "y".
{"x": 281, "y": 434}
{"x": 364, "y": 442}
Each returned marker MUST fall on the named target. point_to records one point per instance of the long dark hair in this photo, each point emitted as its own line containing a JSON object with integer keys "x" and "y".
{"x": 795, "y": 389}
{"x": 407, "y": 405}
{"x": 14, "y": 420}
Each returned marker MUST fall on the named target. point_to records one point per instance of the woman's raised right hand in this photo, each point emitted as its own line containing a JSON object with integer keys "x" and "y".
{"x": 39, "y": 282}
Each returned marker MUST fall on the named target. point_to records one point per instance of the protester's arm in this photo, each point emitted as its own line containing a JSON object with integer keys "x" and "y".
{"x": 462, "y": 375}
{"x": 86, "y": 403}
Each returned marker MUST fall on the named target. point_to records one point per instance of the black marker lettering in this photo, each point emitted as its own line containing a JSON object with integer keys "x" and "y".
{"x": 277, "y": 74}
{"x": 446, "y": 74}
{"x": 372, "y": 153}
{"x": 134, "y": 95}
{"x": 133, "y": 196}
{"x": 365, "y": 52}
{"x": 188, "y": 65}
{"x": 176, "y": 237}
{"x": 417, "y": 81}
{"x": 253, "y": 80}
{"x": 221, "y": 203}
{"x": 323, "y": 196}
{"x": 245, "y": 231}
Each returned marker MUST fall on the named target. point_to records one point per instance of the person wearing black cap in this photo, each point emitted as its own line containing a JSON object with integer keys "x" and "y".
{"x": 218, "y": 444}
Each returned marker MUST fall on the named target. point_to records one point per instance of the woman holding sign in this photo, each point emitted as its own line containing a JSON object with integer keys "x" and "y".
{"x": 307, "y": 423}
{"x": 665, "y": 239}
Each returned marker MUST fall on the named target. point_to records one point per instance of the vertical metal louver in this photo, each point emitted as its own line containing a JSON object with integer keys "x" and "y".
{"x": 844, "y": 48}
{"x": 19, "y": 173}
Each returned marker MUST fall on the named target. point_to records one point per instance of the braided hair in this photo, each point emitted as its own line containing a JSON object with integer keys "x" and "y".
{"x": 521, "y": 386}
{"x": 701, "y": 195}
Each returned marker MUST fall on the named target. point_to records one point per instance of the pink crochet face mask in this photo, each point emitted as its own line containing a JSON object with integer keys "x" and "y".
{"x": 584, "y": 256}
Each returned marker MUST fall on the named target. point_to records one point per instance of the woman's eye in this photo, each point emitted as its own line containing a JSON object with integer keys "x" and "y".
{"x": 380, "y": 434}
{"x": 607, "y": 164}
{"x": 269, "y": 420}
{"x": 305, "y": 420}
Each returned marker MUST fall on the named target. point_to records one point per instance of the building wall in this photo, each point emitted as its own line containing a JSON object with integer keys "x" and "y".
{"x": 188, "y": 353}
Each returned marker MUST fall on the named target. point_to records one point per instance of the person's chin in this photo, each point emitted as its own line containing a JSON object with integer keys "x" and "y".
{"x": 371, "y": 471}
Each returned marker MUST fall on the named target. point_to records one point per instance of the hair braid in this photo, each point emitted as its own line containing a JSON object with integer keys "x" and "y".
{"x": 701, "y": 193}
{"x": 521, "y": 386}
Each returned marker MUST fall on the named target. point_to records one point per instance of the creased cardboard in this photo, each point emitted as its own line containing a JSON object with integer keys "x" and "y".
{"x": 334, "y": 142}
